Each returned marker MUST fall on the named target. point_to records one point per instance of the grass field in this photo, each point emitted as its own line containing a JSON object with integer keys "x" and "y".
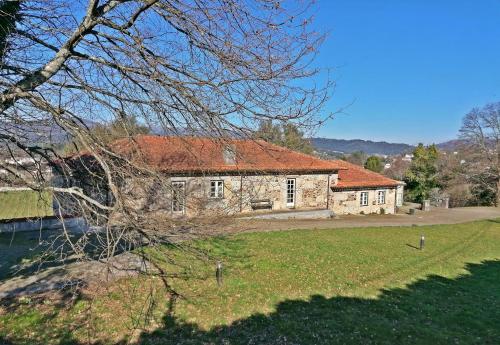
{"x": 25, "y": 204}
{"x": 343, "y": 286}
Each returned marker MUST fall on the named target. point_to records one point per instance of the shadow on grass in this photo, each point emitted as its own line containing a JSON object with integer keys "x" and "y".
{"x": 435, "y": 310}
{"x": 412, "y": 246}
{"x": 25, "y": 253}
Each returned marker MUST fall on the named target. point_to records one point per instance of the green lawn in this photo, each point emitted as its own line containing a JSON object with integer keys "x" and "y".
{"x": 342, "y": 286}
{"x": 25, "y": 204}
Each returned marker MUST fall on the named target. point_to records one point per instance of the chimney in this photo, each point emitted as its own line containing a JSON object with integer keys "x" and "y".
{"x": 229, "y": 154}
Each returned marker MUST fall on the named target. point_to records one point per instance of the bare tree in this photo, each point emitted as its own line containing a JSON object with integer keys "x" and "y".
{"x": 398, "y": 169}
{"x": 481, "y": 133}
{"x": 216, "y": 68}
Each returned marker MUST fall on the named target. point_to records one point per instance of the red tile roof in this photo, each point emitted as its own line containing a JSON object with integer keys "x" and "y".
{"x": 196, "y": 154}
{"x": 354, "y": 176}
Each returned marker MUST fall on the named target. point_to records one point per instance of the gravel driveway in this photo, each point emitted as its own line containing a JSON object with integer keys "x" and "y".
{"x": 434, "y": 216}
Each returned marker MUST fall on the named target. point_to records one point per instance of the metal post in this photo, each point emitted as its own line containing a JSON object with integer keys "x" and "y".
{"x": 218, "y": 273}
{"x": 422, "y": 242}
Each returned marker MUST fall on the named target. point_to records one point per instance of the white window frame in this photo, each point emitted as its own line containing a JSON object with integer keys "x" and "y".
{"x": 381, "y": 195}
{"x": 216, "y": 189}
{"x": 363, "y": 199}
{"x": 291, "y": 194}
{"x": 182, "y": 185}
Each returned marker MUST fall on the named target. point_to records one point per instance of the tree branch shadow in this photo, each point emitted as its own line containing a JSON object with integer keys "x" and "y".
{"x": 412, "y": 246}
{"x": 434, "y": 310}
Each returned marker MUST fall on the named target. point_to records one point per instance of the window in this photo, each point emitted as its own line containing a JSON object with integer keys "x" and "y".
{"x": 178, "y": 196}
{"x": 216, "y": 189}
{"x": 381, "y": 197}
{"x": 363, "y": 200}
{"x": 290, "y": 192}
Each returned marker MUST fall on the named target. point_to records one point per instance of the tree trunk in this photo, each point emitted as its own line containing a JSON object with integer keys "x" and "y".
{"x": 497, "y": 199}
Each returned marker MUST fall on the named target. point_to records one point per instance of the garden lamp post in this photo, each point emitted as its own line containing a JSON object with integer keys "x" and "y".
{"x": 218, "y": 273}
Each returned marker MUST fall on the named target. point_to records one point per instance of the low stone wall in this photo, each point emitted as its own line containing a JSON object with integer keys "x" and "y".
{"x": 314, "y": 214}
{"x": 75, "y": 224}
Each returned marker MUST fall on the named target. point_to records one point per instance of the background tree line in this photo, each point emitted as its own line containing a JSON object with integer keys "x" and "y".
{"x": 286, "y": 134}
{"x": 469, "y": 175}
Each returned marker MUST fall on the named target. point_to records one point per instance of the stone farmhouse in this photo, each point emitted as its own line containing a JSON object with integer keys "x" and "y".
{"x": 201, "y": 176}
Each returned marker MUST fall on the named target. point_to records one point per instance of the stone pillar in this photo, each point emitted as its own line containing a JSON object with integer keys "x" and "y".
{"x": 426, "y": 205}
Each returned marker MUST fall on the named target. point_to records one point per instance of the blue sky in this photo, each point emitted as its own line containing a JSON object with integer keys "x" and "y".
{"x": 413, "y": 68}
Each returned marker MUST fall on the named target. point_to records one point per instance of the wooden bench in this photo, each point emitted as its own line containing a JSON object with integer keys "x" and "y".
{"x": 261, "y": 204}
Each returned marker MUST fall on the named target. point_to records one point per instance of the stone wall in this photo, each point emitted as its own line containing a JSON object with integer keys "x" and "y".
{"x": 239, "y": 192}
{"x": 311, "y": 190}
{"x": 74, "y": 225}
{"x": 348, "y": 201}
{"x": 67, "y": 204}
{"x": 154, "y": 195}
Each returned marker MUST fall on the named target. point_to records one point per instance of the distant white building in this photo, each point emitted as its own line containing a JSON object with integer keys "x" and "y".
{"x": 407, "y": 157}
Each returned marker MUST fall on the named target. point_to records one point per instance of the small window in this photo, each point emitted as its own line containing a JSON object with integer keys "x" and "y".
{"x": 217, "y": 189}
{"x": 363, "y": 200}
{"x": 381, "y": 197}
{"x": 178, "y": 196}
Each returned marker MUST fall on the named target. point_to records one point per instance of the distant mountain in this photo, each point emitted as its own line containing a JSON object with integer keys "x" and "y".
{"x": 34, "y": 132}
{"x": 366, "y": 146}
{"x": 38, "y": 132}
{"x": 51, "y": 132}
{"x": 451, "y": 145}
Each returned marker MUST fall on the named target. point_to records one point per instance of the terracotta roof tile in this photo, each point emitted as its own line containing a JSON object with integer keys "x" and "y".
{"x": 197, "y": 154}
{"x": 352, "y": 176}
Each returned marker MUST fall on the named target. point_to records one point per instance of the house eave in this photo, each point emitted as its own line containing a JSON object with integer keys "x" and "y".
{"x": 243, "y": 172}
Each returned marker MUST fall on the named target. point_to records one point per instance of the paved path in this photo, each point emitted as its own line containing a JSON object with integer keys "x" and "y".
{"x": 434, "y": 216}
